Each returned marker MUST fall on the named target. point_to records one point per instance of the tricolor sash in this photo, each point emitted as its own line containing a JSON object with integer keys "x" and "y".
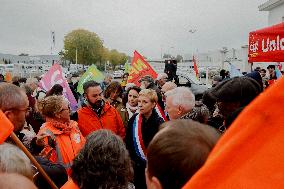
{"x": 137, "y": 138}
{"x": 160, "y": 112}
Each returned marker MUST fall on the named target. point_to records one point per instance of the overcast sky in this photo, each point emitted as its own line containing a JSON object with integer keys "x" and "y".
{"x": 149, "y": 26}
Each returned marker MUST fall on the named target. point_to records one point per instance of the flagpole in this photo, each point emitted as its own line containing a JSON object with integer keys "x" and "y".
{"x": 33, "y": 160}
{"x": 76, "y": 59}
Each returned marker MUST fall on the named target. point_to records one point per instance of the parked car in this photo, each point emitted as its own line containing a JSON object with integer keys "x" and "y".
{"x": 197, "y": 88}
{"x": 117, "y": 74}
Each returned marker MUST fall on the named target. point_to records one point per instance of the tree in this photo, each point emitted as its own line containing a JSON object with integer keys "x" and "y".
{"x": 88, "y": 45}
{"x": 117, "y": 58}
{"x": 23, "y": 54}
{"x": 167, "y": 56}
{"x": 179, "y": 58}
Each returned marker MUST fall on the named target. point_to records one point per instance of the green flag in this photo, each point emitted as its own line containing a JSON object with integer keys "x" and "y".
{"x": 126, "y": 67}
{"x": 91, "y": 74}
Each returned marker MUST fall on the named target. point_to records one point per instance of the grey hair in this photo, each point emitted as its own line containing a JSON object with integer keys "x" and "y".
{"x": 13, "y": 160}
{"x": 161, "y": 75}
{"x": 32, "y": 81}
{"x": 108, "y": 76}
{"x": 182, "y": 96}
{"x": 11, "y": 96}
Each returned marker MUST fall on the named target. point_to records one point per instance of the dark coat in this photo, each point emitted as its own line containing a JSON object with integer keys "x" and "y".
{"x": 149, "y": 128}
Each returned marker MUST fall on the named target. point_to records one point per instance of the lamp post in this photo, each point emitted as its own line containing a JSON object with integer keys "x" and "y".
{"x": 192, "y": 31}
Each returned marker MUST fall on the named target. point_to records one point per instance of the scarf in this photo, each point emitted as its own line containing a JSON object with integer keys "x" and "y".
{"x": 131, "y": 110}
{"x": 65, "y": 128}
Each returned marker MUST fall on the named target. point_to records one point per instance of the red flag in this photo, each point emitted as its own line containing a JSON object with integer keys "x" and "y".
{"x": 139, "y": 68}
{"x": 6, "y": 127}
{"x": 195, "y": 67}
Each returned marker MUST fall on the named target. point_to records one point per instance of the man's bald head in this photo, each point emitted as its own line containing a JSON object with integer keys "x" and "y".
{"x": 15, "y": 181}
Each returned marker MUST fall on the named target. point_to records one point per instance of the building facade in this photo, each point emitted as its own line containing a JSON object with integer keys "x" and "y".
{"x": 275, "y": 10}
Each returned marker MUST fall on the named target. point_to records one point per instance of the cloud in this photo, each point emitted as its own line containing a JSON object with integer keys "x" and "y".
{"x": 149, "y": 26}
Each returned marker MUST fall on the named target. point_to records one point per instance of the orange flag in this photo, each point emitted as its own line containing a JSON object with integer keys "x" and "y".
{"x": 250, "y": 154}
{"x": 195, "y": 67}
{"x": 6, "y": 127}
{"x": 139, "y": 68}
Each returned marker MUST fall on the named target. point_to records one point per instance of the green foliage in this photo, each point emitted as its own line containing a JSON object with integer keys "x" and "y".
{"x": 88, "y": 44}
{"x": 117, "y": 58}
{"x": 90, "y": 49}
{"x": 179, "y": 58}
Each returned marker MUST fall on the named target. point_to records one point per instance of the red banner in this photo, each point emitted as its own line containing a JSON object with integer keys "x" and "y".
{"x": 267, "y": 45}
{"x": 139, "y": 68}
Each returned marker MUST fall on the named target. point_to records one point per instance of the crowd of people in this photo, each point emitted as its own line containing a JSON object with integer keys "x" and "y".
{"x": 156, "y": 135}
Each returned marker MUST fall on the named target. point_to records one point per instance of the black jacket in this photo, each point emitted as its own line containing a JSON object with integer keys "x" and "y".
{"x": 55, "y": 171}
{"x": 149, "y": 128}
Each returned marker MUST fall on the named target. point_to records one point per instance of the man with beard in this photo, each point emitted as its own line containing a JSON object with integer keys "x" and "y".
{"x": 98, "y": 114}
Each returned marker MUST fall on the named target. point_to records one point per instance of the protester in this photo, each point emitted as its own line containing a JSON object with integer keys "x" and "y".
{"x": 33, "y": 117}
{"x": 15, "y": 181}
{"x": 235, "y": 93}
{"x": 130, "y": 103}
{"x": 177, "y": 152}
{"x": 141, "y": 129}
{"x": 271, "y": 72}
{"x": 124, "y": 80}
{"x": 113, "y": 94}
{"x": 199, "y": 113}
{"x": 257, "y": 77}
{"x": 98, "y": 114}
{"x": 15, "y": 81}
{"x": 147, "y": 82}
{"x": 106, "y": 82}
{"x": 2, "y": 78}
{"x": 179, "y": 102}
{"x": 264, "y": 78}
{"x": 168, "y": 86}
{"x": 56, "y": 89}
{"x": 72, "y": 87}
{"x": 36, "y": 92}
{"x": 13, "y": 160}
{"x": 59, "y": 130}
{"x": 103, "y": 163}
{"x": 161, "y": 80}
{"x": 15, "y": 105}
{"x": 216, "y": 80}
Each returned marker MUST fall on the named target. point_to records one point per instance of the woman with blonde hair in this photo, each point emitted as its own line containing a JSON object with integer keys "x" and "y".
{"x": 63, "y": 137}
{"x": 142, "y": 127}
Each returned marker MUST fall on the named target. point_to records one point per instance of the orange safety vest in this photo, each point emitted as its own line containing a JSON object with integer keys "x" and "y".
{"x": 67, "y": 146}
{"x": 250, "y": 154}
{"x": 70, "y": 185}
{"x": 89, "y": 121}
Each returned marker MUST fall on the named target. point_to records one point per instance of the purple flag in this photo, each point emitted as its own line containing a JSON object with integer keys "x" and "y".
{"x": 54, "y": 76}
